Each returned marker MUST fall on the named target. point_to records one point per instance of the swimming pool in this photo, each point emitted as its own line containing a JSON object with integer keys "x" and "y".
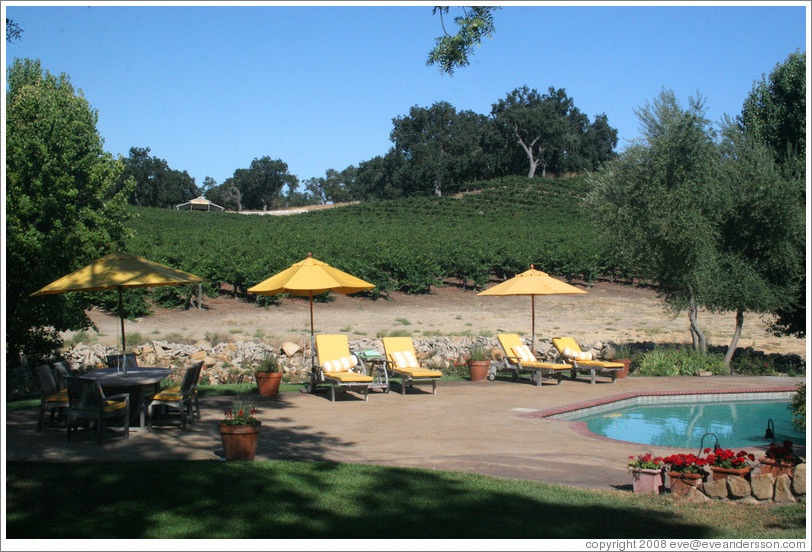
{"x": 681, "y": 421}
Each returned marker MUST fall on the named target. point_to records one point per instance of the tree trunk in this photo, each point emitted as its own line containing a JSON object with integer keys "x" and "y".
{"x": 528, "y": 150}
{"x": 735, "y": 341}
{"x": 699, "y": 340}
{"x": 438, "y": 186}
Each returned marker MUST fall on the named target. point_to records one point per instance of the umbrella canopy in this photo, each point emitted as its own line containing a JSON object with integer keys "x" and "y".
{"x": 308, "y": 278}
{"x": 119, "y": 271}
{"x": 532, "y": 282}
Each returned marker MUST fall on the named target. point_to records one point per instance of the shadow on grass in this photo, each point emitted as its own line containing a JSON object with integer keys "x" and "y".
{"x": 317, "y": 500}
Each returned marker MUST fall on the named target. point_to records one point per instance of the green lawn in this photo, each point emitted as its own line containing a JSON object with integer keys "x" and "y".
{"x": 211, "y": 499}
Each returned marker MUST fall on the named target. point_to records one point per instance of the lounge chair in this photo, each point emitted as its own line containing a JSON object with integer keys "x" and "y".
{"x": 583, "y": 362}
{"x": 519, "y": 358}
{"x": 401, "y": 362}
{"x": 54, "y": 400}
{"x": 86, "y": 400}
{"x": 337, "y": 367}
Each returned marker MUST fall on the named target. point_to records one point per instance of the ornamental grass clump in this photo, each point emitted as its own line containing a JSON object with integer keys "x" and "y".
{"x": 645, "y": 461}
{"x": 726, "y": 458}
{"x": 685, "y": 463}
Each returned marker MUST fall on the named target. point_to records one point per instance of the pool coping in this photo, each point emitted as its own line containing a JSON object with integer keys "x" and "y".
{"x": 582, "y": 429}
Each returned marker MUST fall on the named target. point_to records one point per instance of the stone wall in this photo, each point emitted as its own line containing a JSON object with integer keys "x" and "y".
{"x": 234, "y": 362}
{"x": 761, "y": 487}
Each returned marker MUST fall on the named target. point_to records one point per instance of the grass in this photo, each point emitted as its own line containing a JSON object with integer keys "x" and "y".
{"x": 295, "y": 500}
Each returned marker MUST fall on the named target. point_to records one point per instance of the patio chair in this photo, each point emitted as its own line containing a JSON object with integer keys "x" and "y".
{"x": 117, "y": 361}
{"x": 583, "y": 362}
{"x": 86, "y": 400}
{"x": 62, "y": 369}
{"x": 54, "y": 400}
{"x": 401, "y": 361}
{"x": 519, "y": 358}
{"x": 177, "y": 397}
{"x": 195, "y": 412}
{"x": 337, "y": 367}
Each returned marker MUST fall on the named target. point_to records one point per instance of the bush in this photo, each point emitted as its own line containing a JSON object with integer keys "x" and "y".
{"x": 679, "y": 362}
{"x": 798, "y": 408}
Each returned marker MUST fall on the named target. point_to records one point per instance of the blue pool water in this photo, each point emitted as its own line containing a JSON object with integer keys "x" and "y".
{"x": 735, "y": 423}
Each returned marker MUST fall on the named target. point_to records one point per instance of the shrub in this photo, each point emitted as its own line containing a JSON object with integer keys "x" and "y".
{"x": 679, "y": 362}
{"x": 798, "y": 408}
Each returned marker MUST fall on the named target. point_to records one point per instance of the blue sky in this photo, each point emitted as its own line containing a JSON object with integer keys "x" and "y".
{"x": 209, "y": 88}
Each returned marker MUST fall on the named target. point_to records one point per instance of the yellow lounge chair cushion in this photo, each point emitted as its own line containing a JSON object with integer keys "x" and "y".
{"x": 348, "y": 377}
{"x": 576, "y": 355}
{"x": 601, "y": 363}
{"x": 546, "y": 365}
{"x": 110, "y": 406}
{"x": 419, "y": 372}
{"x": 61, "y": 397}
{"x": 166, "y": 395}
{"x": 171, "y": 389}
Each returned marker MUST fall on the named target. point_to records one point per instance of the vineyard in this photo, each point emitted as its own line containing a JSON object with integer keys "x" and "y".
{"x": 406, "y": 245}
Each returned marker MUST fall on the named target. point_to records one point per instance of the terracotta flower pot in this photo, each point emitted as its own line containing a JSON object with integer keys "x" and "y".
{"x": 723, "y": 473}
{"x": 268, "y": 383}
{"x": 478, "y": 369}
{"x": 622, "y": 373}
{"x": 775, "y": 467}
{"x": 239, "y": 441}
{"x": 646, "y": 481}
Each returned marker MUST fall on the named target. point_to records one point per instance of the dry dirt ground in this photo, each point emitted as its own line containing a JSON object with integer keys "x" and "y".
{"x": 618, "y": 312}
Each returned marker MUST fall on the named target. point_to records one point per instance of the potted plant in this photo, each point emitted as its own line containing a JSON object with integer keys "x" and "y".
{"x": 268, "y": 375}
{"x": 647, "y": 473}
{"x": 479, "y": 363}
{"x": 779, "y": 459}
{"x": 725, "y": 462}
{"x": 239, "y": 430}
{"x": 622, "y": 354}
{"x": 685, "y": 471}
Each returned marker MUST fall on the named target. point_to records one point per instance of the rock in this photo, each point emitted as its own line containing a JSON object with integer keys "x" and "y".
{"x": 199, "y": 355}
{"x": 799, "y": 480}
{"x": 716, "y": 489}
{"x": 290, "y": 348}
{"x": 704, "y": 373}
{"x": 762, "y": 485}
{"x": 693, "y": 494}
{"x": 747, "y": 500}
{"x": 159, "y": 351}
{"x": 782, "y": 489}
{"x": 202, "y": 344}
{"x": 209, "y": 361}
{"x": 737, "y": 487}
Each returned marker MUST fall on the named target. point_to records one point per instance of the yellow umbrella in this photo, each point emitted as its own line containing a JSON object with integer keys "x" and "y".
{"x": 532, "y": 282}
{"x": 119, "y": 271}
{"x": 308, "y": 278}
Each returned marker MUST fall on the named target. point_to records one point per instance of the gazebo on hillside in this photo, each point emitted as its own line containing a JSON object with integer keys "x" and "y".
{"x": 200, "y": 204}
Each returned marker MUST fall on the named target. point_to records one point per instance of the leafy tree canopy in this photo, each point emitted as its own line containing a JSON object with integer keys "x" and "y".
{"x": 58, "y": 215}
{"x": 452, "y": 51}
{"x": 156, "y": 184}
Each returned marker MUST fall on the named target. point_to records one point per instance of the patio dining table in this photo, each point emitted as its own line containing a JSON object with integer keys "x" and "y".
{"x": 139, "y": 382}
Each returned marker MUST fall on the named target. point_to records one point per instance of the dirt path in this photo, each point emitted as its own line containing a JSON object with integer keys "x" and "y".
{"x": 607, "y": 312}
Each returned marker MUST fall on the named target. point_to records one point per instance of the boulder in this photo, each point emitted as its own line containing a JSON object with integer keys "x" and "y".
{"x": 737, "y": 487}
{"x": 198, "y": 356}
{"x": 762, "y": 485}
{"x": 290, "y": 348}
{"x": 716, "y": 489}
{"x": 799, "y": 480}
{"x": 693, "y": 494}
{"x": 159, "y": 351}
{"x": 783, "y": 493}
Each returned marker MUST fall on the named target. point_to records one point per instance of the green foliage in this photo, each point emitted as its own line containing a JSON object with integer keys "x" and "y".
{"x": 683, "y": 361}
{"x": 452, "y": 51}
{"x": 798, "y": 408}
{"x": 58, "y": 215}
{"x": 268, "y": 364}
{"x": 156, "y": 184}
{"x": 406, "y": 245}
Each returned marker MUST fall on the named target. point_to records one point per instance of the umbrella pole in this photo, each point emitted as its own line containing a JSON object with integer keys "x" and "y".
{"x": 121, "y": 315}
{"x": 312, "y": 347}
{"x": 533, "y": 338}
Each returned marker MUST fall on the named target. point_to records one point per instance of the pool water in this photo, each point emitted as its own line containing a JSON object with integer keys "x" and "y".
{"x": 735, "y": 423}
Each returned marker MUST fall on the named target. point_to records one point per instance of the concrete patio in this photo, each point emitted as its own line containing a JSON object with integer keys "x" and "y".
{"x": 478, "y": 427}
